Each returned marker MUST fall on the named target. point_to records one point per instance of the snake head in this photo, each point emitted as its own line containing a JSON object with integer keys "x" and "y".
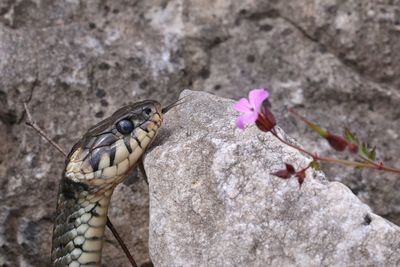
{"x": 107, "y": 152}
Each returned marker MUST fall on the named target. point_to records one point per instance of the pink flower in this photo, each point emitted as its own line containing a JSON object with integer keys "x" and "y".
{"x": 251, "y": 107}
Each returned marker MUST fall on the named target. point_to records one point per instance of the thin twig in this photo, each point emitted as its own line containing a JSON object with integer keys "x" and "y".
{"x": 121, "y": 242}
{"x": 34, "y": 126}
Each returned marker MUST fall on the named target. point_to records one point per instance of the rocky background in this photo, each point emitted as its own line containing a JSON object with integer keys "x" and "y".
{"x": 74, "y": 62}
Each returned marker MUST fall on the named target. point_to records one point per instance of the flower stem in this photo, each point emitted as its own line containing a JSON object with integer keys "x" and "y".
{"x": 356, "y": 164}
{"x": 291, "y": 145}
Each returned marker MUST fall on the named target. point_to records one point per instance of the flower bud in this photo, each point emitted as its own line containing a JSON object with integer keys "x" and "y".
{"x": 353, "y": 148}
{"x": 266, "y": 120}
{"x": 338, "y": 143}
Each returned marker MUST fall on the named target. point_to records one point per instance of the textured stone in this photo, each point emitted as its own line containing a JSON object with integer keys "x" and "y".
{"x": 213, "y": 201}
{"x": 76, "y": 62}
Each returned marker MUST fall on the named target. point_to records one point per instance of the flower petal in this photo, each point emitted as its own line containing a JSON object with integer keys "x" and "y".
{"x": 240, "y": 123}
{"x": 257, "y": 97}
{"x": 242, "y": 105}
{"x": 248, "y": 118}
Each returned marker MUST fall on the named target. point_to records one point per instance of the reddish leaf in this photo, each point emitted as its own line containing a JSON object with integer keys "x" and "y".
{"x": 290, "y": 168}
{"x": 300, "y": 176}
{"x": 284, "y": 174}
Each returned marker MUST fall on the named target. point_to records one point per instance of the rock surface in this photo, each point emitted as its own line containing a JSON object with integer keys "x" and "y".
{"x": 76, "y": 62}
{"x": 214, "y": 203}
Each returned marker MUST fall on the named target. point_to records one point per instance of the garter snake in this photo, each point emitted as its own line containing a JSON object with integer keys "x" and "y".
{"x": 97, "y": 163}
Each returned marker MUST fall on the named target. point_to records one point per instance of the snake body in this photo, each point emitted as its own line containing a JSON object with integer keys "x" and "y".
{"x": 95, "y": 166}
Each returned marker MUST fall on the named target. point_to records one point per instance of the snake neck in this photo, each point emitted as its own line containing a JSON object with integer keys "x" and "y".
{"x": 80, "y": 222}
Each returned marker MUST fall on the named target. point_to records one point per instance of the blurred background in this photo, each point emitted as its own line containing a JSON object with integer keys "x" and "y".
{"x": 75, "y": 62}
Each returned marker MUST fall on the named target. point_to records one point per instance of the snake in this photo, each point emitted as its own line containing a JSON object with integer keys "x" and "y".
{"x": 97, "y": 163}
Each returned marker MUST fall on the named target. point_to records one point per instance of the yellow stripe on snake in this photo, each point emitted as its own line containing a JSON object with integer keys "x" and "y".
{"x": 95, "y": 166}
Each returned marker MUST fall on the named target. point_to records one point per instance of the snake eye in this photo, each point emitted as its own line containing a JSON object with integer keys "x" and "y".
{"x": 125, "y": 126}
{"x": 147, "y": 111}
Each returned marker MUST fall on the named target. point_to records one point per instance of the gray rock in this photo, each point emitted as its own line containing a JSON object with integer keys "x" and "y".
{"x": 213, "y": 201}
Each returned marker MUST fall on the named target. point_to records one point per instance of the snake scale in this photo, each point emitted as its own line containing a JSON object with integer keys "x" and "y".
{"x": 97, "y": 163}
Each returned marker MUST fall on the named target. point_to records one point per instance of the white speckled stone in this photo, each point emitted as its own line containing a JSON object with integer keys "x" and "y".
{"x": 214, "y": 203}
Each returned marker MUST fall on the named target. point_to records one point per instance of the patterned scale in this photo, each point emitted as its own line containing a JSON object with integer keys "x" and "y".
{"x": 95, "y": 166}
